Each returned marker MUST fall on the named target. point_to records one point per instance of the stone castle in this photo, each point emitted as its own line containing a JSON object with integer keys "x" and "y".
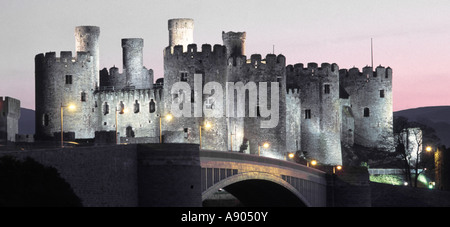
{"x": 321, "y": 107}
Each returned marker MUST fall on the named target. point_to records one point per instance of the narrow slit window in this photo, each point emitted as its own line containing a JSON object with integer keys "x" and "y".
{"x": 326, "y": 89}
{"x": 83, "y": 96}
{"x": 381, "y": 93}
{"x": 136, "y": 106}
{"x": 68, "y": 79}
{"x": 152, "y": 106}
{"x": 366, "y": 112}
{"x": 307, "y": 114}
{"x": 105, "y": 109}
{"x": 183, "y": 76}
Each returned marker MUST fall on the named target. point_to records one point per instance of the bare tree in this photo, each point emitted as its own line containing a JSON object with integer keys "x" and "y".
{"x": 411, "y": 139}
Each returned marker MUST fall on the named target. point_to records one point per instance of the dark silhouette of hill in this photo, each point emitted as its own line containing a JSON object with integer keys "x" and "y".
{"x": 26, "y": 121}
{"x": 436, "y": 117}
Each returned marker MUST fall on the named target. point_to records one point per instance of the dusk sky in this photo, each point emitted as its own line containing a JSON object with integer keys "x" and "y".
{"x": 412, "y": 37}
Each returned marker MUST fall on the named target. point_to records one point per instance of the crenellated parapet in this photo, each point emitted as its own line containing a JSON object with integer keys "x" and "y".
{"x": 367, "y": 74}
{"x": 255, "y": 62}
{"x": 48, "y": 59}
{"x": 143, "y": 95}
{"x": 312, "y": 69}
{"x": 193, "y": 54}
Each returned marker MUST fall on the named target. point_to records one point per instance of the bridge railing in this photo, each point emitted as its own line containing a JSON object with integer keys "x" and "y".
{"x": 236, "y": 157}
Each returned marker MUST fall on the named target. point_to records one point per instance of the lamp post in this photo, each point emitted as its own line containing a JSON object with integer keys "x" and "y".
{"x": 123, "y": 110}
{"x": 71, "y": 107}
{"x": 207, "y": 126}
{"x": 337, "y": 168}
{"x": 265, "y": 145}
{"x": 168, "y": 118}
{"x": 312, "y": 162}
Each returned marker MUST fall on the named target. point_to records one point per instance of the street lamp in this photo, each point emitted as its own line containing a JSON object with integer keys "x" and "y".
{"x": 122, "y": 111}
{"x": 312, "y": 162}
{"x": 265, "y": 145}
{"x": 291, "y": 155}
{"x": 338, "y": 168}
{"x": 207, "y": 126}
{"x": 428, "y": 148}
{"x": 71, "y": 107}
{"x": 168, "y": 117}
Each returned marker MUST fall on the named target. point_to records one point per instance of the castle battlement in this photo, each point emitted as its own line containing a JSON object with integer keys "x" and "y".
{"x": 293, "y": 92}
{"x": 367, "y": 73}
{"x": 218, "y": 51}
{"x": 313, "y": 69}
{"x": 136, "y": 94}
{"x": 256, "y": 61}
{"x": 65, "y": 57}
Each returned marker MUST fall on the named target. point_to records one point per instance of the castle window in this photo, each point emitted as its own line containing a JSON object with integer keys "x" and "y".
{"x": 183, "y": 76}
{"x": 186, "y": 133}
{"x": 307, "y": 114}
{"x": 121, "y": 108}
{"x": 152, "y": 106}
{"x": 45, "y": 120}
{"x": 381, "y": 93}
{"x": 105, "y": 108}
{"x": 366, "y": 112}
{"x": 83, "y": 96}
{"x": 326, "y": 89}
{"x": 68, "y": 79}
{"x": 136, "y": 107}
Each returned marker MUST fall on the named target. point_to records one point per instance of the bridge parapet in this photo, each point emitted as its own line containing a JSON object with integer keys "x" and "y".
{"x": 221, "y": 169}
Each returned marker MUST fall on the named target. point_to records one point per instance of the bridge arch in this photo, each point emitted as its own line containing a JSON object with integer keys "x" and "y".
{"x": 259, "y": 189}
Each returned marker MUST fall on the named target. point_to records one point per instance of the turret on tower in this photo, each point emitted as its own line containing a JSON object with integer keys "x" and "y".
{"x": 132, "y": 59}
{"x": 235, "y": 43}
{"x": 181, "y": 32}
{"x": 87, "y": 40}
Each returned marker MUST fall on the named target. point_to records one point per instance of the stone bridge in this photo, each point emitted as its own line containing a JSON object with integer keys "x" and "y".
{"x": 179, "y": 175}
{"x": 262, "y": 181}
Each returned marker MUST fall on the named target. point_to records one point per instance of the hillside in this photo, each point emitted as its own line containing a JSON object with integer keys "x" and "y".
{"x": 437, "y": 117}
{"x": 26, "y": 121}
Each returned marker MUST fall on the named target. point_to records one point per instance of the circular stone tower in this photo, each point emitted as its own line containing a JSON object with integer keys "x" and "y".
{"x": 133, "y": 60}
{"x": 181, "y": 32}
{"x": 87, "y": 40}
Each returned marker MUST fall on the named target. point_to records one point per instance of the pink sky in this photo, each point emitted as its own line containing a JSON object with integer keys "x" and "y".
{"x": 412, "y": 37}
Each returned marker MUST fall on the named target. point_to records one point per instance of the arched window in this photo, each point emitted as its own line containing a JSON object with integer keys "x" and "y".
{"x": 121, "y": 108}
{"x": 105, "y": 108}
{"x": 366, "y": 112}
{"x": 152, "y": 106}
{"x": 136, "y": 107}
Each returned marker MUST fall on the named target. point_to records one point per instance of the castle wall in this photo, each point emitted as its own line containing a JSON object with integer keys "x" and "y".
{"x": 293, "y": 121}
{"x": 137, "y": 113}
{"x": 9, "y": 119}
{"x": 256, "y": 69}
{"x": 181, "y": 66}
{"x": 321, "y": 110}
{"x": 372, "y": 105}
{"x": 63, "y": 81}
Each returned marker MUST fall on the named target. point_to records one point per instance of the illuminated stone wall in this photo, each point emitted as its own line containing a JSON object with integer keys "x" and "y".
{"x": 372, "y": 105}
{"x": 320, "y": 110}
